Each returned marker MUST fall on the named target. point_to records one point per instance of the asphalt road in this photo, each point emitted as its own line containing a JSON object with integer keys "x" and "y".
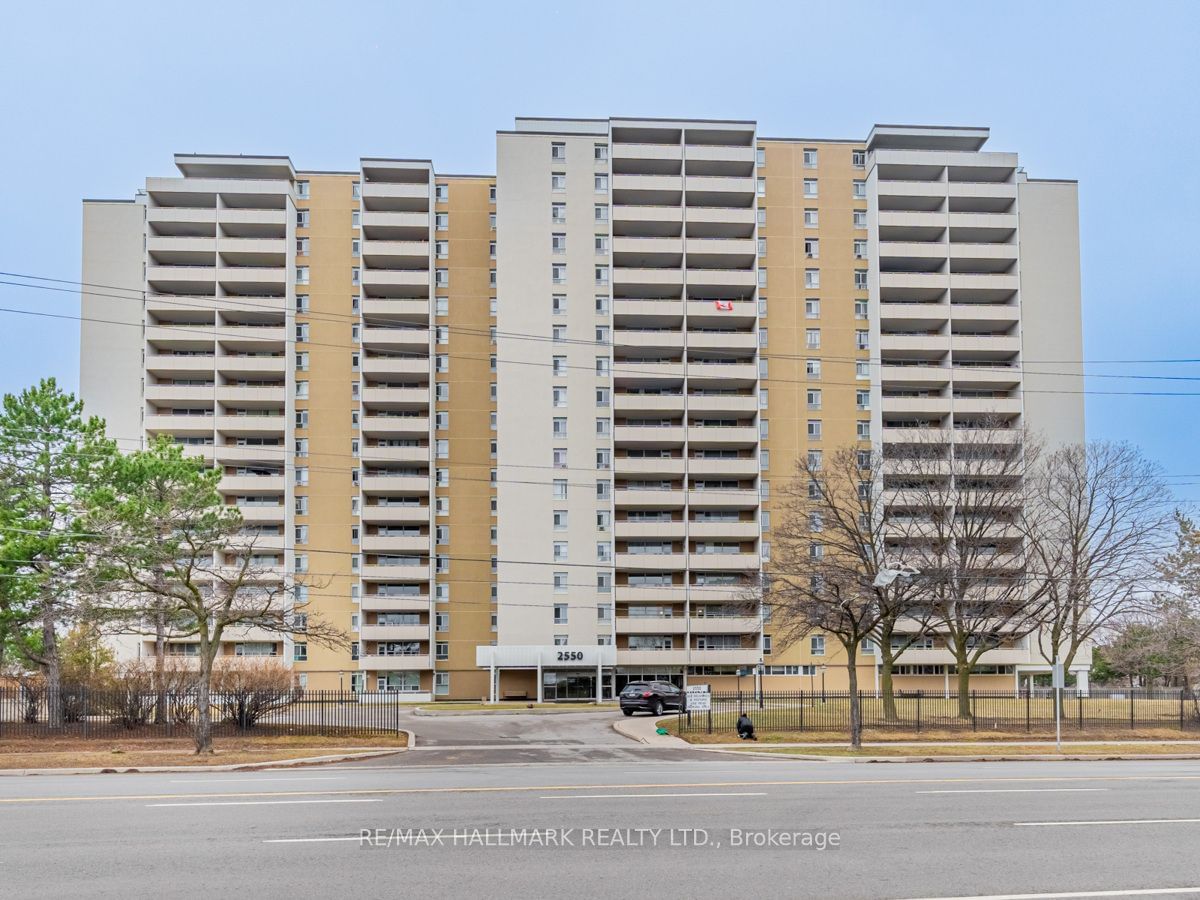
{"x": 439, "y": 828}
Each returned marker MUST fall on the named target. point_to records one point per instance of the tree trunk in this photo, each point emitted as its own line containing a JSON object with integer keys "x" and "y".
{"x": 160, "y": 646}
{"x": 964, "y": 684}
{"x": 886, "y": 689}
{"x": 50, "y": 662}
{"x": 855, "y": 704}
{"x": 203, "y": 734}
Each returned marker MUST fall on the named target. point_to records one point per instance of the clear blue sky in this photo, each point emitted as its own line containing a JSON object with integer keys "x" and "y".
{"x": 94, "y": 97}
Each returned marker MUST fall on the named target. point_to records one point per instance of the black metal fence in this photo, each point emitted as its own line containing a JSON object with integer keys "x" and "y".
{"x": 916, "y": 712}
{"x": 91, "y": 713}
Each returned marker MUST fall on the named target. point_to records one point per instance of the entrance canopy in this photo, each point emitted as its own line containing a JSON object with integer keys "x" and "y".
{"x": 542, "y": 656}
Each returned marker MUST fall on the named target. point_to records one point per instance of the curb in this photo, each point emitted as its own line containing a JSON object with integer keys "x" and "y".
{"x": 1038, "y": 757}
{"x": 424, "y": 711}
{"x": 624, "y": 729}
{"x": 228, "y": 767}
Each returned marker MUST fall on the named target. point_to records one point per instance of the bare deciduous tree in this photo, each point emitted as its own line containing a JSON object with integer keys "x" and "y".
{"x": 1097, "y": 518}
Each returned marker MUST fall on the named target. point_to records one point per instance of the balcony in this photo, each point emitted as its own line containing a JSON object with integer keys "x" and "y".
{"x": 1001, "y": 345}
{"x": 177, "y": 393}
{"x": 666, "y": 312}
{"x": 724, "y": 562}
{"x": 235, "y": 394}
{"x": 395, "y": 365}
{"x": 724, "y": 625}
{"x": 397, "y": 397}
{"x": 256, "y": 515}
{"x": 927, "y": 346}
{"x": 646, "y": 498}
{"x": 253, "y": 484}
{"x": 733, "y": 498}
{"x": 414, "y": 427}
{"x": 730, "y": 374}
{"x": 722, "y": 340}
{"x": 409, "y": 663}
{"x": 395, "y": 515}
{"x": 381, "y": 308}
{"x": 408, "y": 339}
{"x": 741, "y": 530}
{"x": 394, "y": 633}
{"x": 379, "y": 603}
{"x": 182, "y": 426}
{"x": 988, "y": 288}
{"x": 676, "y": 593}
{"x": 745, "y": 467}
{"x": 671, "y": 658}
{"x": 395, "y": 573}
{"x": 646, "y": 369}
{"x": 1002, "y": 406}
{"x": 744, "y": 657}
{"x": 917, "y": 406}
{"x": 625, "y": 529}
{"x": 269, "y": 426}
{"x": 379, "y": 543}
{"x": 650, "y": 562}
{"x": 650, "y": 625}
{"x": 720, "y": 190}
{"x": 395, "y": 454}
{"x": 648, "y": 339}
{"x": 396, "y": 485}
{"x": 625, "y": 465}
{"x": 648, "y": 403}
{"x": 645, "y": 436}
{"x": 251, "y": 366}
{"x": 742, "y": 404}
{"x": 721, "y": 436}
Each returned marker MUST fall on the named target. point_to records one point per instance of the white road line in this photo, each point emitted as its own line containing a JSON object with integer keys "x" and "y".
{"x": 310, "y": 840}
{"x": 267, "y": 802}
{"x": 1019, "y": 791}
{"x": 1117, "y": 822}
{"x": 250, "y": 780}
{"x": 653, "y": 796}
{"x": 1138, "y": 892}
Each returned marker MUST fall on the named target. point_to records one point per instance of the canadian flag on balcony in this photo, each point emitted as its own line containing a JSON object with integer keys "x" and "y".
{"x": 723, "y": 305}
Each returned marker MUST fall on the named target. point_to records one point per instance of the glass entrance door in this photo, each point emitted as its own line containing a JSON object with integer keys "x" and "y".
{"x": 568, "y": 685}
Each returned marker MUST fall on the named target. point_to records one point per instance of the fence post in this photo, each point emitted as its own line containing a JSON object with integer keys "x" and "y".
{"x": 1028, "y": 711}
{"x": 1079, "y": 697}
{"x": 1181, "y": 709}
{"x": 1131, "y": 726}
{"x": 919, "y": 712}
{"x": 974, "y": 717}
{"x": 710, "y": 717}
{"x": 802, "y": 711}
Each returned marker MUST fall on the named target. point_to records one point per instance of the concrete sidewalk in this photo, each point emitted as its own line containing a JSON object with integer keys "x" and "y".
{"x": 227, "y": 767}
{"x": 644, "y": 730}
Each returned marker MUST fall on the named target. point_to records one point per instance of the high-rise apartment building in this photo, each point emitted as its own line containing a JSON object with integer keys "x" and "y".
{"x": 516, "y": 435}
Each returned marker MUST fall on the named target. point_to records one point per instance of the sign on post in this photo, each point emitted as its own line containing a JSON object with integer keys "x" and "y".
{"x": 1059, "y": 677}
{"x": 698, "y": 698}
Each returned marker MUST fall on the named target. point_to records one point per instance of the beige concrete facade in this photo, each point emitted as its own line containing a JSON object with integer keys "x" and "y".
{"x": 528, "y": 425}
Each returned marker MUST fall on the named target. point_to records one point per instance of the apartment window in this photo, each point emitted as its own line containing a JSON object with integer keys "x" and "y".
{"x": 558, "y": 273}
{"x": 355, "y": 190}
{"x": 301, "y": 390}
{"x": 764, "y": 460}
{"x": 558, "y": 243}
{"x": 811, "y": 218}
{"x": 602, "y": 366}
{"x": 601, "y": 275}
{"x": 559, "y": 489}
{"x": 860, "y": 249}
{"x": 302, "y": 506}
{"x": 762, "y": 336}
{"x": 301, "y": 274}
{"x": 812, "y": 367}
{"x": 302, "y": 447}
{"x": 441, "y": 621}
{"x": 761, "y": 186}
{"x": 558, "y": 304}
{"x": 301, "y": 534}
{"x": 814, "y": 429}
{"x": 812, "y": 248}
{"x": 760, "y": 156}
{"x": 301, "y": 332}
{"x": 441, "y": 534}
{"x": 300, "y": 648}
{"x": 601, "y": 305}
{"x": 601, "y": 245}
{"x": 560, "y": 582}
{"x": 441, "y": 506}
{"x": 441, "y": 333}
{"x": 560, "y": 549}
{"x": 603, "y": 520}
{"x": 559, "y": 424}
{"x": 492, "y": 249}
{"x": 442, "y": 391}
{"x": 442, "y": 362}
{"x": 558, "y": 213}
{"x": 810, "y": 158}
{"x": 762, "y": 398}
{"x": 354, "y": 302}
{"x": 558, "y": 182}
{"x": 762, "y": 307}
{"x": 302, "y": 303}
{"x": 860, "y": 309}
{"x": 492, "y": 303}
{"x": 558, "y": 333}
{"x": 559, "y": 518}
{"x": 491, "y": 193}
{"x": 603, "y": 396}
{"x": 864, "y": 430}
{"x": 355, "y": 219}
{"x": 860, "y": 190}
{"x": 812, "y": 338}
{"x": 441, "y": 249}
{"x": 302, "y": 418}
{"x": 604, "y": 582}
{"x": 858, "y": 159}
{"x": 862, "y": 399}
{"x": 762, "y": 276}
{"x": 302, "y": 362}
{"x": 762, "y": 246}
{"x": 443, "y": 448}
{"x": 862, "y": 369}
{"x": 558, "y": 456}
{"x": 816, "y": 645}
{"x": 762, "y": 216}
{"x": 862, "y": 339}
{"x": 441, "y": 650}
{"x": 558, "y": 393}
{"x": 763, "y": 367}
{"x": 601, "y": 184}
{"x": 558, "y": 151}
{"x": 558, "y": 365}
{"x": 441, "y": 221}
{"x": 764, "y": 429}
{"x": 355, "y": 248}
{"x": 492, "y": 221}
{"x": 603, "y": 426}
{"x": 601, "y": 212}
{"x": 303, "y": 217}
{"x": 356, "y": 275}
{"x": 815, "y": 459}
{"x": 603, "y": 458}
{"x": 603, "y": 489}
{"x": 860, "y": 279}
{"x": 812, "y": 309}
{"x": 810, "y": 187}
{"x": 600, "y": 152}
{"x": 602, "y": 334}
{"x": 812, "y": 278}
{"x": 442, "y": 278}
{"x": 814, "y": 398}
{"x": 860, "y": 218}
{"x": 302, "y": 190}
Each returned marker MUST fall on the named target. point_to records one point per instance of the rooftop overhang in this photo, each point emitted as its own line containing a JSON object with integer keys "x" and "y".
{"x": 926, "y": 137}
{"x": 201, "y": 165}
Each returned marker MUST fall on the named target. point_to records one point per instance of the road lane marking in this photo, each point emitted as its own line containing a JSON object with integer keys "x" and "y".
{"x": 252, "y": 780}
{"x": 1114, "y": 822}
{"x": 268, "y": 802}
{"x": 1015, "y": 791}
{"x": 508, "y": 789}
{"x": 310, "y": 840}
{"x": 625, "y": 796}
{"x": 1135, "y": 892}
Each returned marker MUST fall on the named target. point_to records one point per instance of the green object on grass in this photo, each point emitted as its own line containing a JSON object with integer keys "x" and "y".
{"x": 661, "y": 731}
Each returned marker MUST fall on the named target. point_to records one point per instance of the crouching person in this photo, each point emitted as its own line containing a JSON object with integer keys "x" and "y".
{"x": 745, "y": 728}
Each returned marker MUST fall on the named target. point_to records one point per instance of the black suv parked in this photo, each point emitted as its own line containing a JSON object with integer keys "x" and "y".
{"x": 652, "y": 697}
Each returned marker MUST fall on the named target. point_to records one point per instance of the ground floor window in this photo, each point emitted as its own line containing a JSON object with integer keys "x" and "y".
{"x": 399, "y": 682}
